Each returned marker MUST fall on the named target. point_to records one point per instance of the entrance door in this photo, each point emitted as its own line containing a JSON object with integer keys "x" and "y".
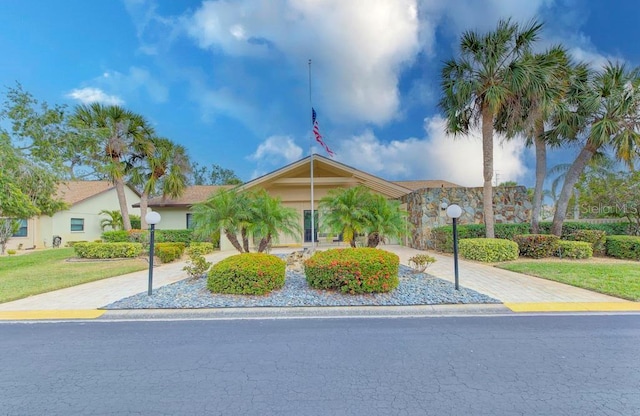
{"x": 307, "y": 226}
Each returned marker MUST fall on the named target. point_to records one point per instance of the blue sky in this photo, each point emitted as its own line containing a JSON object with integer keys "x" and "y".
{"x": 229, "y": 79}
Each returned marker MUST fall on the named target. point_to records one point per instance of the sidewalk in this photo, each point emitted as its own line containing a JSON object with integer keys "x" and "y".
{"x": 518, "y": 292}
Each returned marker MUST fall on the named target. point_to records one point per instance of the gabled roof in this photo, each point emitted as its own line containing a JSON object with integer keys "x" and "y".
{"x": 415, "y": 185}
{"x": 192, "y": 195}
{"x": 355, "y": 176}
{"x": 73, "y": 192}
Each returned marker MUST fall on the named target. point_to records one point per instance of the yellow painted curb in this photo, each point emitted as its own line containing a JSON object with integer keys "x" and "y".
{"x": 53, "y": 314}
{"x": 574, "y": 307}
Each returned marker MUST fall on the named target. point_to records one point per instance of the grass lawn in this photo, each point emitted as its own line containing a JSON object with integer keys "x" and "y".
{"x": 43, "y": 271}
{"x": 615, "y": 278}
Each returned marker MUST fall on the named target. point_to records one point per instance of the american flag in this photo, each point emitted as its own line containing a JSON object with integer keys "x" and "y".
{"x": 316, "y": 132}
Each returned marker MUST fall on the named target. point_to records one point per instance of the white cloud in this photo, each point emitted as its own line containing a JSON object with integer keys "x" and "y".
{"x": 94, "y": 95}
{"x": 136, "y": 79}
{"x": 358, "y": 49}
{"x": 274, "y": 152}
{"x": 436, "y": 156}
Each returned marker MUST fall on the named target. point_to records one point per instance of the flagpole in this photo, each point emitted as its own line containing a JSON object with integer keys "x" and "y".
{"x": 313, "y": 240}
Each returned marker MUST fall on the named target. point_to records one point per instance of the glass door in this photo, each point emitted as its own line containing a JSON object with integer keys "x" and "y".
{"x": 307, "y": 226}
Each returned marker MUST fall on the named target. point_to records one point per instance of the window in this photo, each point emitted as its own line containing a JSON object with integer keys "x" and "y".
{"x": 22, "y": 231}
{"x": 189, "y": 223}
{"x": 77, "y": 224}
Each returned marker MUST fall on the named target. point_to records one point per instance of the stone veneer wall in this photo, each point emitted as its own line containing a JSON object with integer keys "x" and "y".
{"x": 511, "y": 205}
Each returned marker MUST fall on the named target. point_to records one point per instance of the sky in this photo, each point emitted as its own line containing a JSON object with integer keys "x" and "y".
{"x": 231, "y": 81}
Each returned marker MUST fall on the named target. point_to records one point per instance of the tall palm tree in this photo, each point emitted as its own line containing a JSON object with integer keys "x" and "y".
{"x": 269, "y": 219}
{"x": 489, "y": 72}
{"x": 226, "y": 210}
{"x": 384, "y": 219}
{"x": 604, "y": 116}
{"x": 165, "y": 171}
{"x": 123, "y": 135}
{"x": 342, "y": 212}
{"x": 527, "y": 113}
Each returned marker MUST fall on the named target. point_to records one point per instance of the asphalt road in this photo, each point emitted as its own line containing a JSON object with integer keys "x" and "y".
{"x": 541, "y": 365}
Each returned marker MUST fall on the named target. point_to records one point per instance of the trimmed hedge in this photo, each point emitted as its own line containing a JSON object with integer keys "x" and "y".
{"x": 107, "y": 250}
{"x": 353, "y": 270}
{"x": 537, "y": 246}
{"x": 247, "y": 274}
{"x": 596, "y": 238}
{"x": 568, "y": 228}
{"x": 118, "y": 236}
{"x": 174, "y": 236}
{"x": 197, "y": 248}
{"x": 168, "y": 252}
{"x": 443, "y": 236}
{"x": 574, "y": 249}
{"x": 488, "y": 250}
{"x": 623, "y": 247}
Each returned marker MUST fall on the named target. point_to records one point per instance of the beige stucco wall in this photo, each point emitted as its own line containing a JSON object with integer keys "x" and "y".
{"x": 41, "y": 230}
{"x": 172, "y": 218}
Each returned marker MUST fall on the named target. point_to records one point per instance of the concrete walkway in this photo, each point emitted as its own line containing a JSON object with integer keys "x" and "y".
{"x": 517, "y": 291}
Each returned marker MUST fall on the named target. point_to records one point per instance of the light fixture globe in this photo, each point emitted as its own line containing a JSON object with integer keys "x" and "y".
{"x": 454, "y": 211}
{"x": 152, "y": 218}
{"x": 443, "y": 206}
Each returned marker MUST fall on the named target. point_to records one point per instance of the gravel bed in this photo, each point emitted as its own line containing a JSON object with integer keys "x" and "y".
{"x": 414, "y": 289}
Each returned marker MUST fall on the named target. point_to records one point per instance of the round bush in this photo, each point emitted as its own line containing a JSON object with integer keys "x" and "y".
{"x": 574, "y": 249}
{"x": 537, "y": 246}
{"x": 489, "y": 250}
{"x": 247, "y": 274}
{"x": 353, "y": 270}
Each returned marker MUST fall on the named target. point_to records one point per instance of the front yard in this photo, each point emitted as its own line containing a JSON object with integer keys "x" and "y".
{"x": 44, "y": 271}
{"x": 612, "y": 277}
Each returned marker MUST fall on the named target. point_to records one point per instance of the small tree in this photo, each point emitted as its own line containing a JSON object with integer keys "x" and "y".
{"x": 8, "y": 227}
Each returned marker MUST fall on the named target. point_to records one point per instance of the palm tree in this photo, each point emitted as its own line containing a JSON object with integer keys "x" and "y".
{"x": 269, "y": 218}
{"x": 605, "y": 116}
{"x": 165, "y": 169}
{"x": 123, "y": 136}
{"x": 113, "y": 220}
{"x": 527, "y": 113}
{"x": 226, "y": 210}
{"x": 384, "y": 219}
{"x": 342, "y": 212}
{"x": 490, "y": 71}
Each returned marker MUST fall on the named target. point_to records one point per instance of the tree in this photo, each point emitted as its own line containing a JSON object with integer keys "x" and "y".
{"x": 343, "y": 212}
{"x": 215, "y": 175}
{"x": 123, "y": 137}
{"x": 164, "y": 170}
{"x": 226, "y": 210}
{"x": 488, "y": 74}
{"x": 384, "y": 219}
{"x": 529, "y": 111}
{"x": 113, "y": 220}
{"x": 604, "y": 115}
{"x": 269, "y": 218}
{"x": 8, "y": 227}
{"x": 613, "y": 195}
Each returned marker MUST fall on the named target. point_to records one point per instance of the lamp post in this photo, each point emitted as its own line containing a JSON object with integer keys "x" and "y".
{"x": 152, "y": 218}
{"x": 454, "y": 211}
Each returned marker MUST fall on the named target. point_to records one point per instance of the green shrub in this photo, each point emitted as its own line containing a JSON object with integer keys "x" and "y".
{"x": 623, "y": 247}
{"x": 420, "y": 262}
{"x": 107, "y": 250}
{"x": 200, "y": 248}
{"x": 568, "y": 228}
{"x": 574, "y": 249}
{"x": 537, "y": 246}
{"x": 11, "y": 252}
{"x": 196, "y": 266}
{"x": 489, "y": 250}
{"x": 139, "y": 236}
{"x": 247, "y": 274}
{"x": 118, "y": 236}
{"x": 174, "y": 236}
{"x": 596, "y": 238}
{"x": 168, "y": 252}
{"x": 443, "y": 236}
{"x": 353, "y": 270}
{"x": 73, "y": 243}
